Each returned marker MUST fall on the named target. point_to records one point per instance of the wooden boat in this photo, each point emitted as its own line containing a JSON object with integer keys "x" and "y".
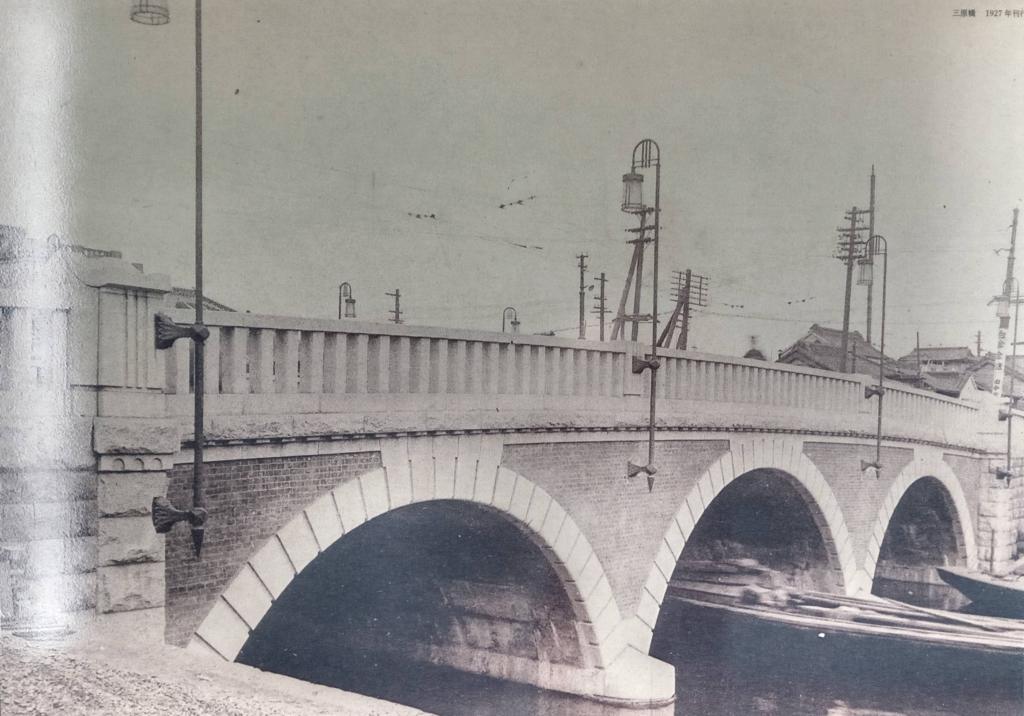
{"x": 746, "y": 591}
{"x": 1004, "y": 596}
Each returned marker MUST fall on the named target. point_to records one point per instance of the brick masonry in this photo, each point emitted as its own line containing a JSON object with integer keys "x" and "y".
{"x": 624, "y": 523}
{"x": 859, "y": 493}
{"x": 248, "y": 500}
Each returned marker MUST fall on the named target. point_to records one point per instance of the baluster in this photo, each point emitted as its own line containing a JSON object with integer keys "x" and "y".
{"x": 439, "y": 365}
{"x": 235, "y": 347}
{"x": 475, "y": 375}
{"x": 379, "y": 364}
{"x": 492, "y": 368}
{"x": 263, "y": 350}
{"x": 419, "y": 365}
{"x": 400, "y": 364}
{"x": 335, "y": 362}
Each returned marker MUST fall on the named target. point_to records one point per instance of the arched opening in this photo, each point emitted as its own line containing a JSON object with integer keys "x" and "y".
{"x": 923, "y": 533}
{"x": 413, "y": 597}
{"x": 767, "y": 516}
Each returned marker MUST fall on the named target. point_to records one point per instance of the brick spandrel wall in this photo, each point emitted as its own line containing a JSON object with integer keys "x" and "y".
{"x": 248, "y": 501}
{"x": 623, "y": 521}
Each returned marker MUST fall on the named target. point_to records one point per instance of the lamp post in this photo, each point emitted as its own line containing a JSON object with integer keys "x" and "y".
{"x": 165, "y": 515}
{"x": 510, "y": 317}
{"x": 346, "y": 304}
{"x": 878, "y": 391}
{"x": 646, "y": 154}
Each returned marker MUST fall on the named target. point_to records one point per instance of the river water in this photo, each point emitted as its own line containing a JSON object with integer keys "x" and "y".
{"x": 726, "y": 665}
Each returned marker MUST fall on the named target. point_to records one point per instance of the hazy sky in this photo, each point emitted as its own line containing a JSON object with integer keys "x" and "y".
{"x": 329, "y": 122}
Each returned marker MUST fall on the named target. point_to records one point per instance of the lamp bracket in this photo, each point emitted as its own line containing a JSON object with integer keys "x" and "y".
{"x": 1002, "y": 473}
{"x": 168, "y": 331}
{"x": 865, "y": 465}
{"x": 632, "y": 470}
{"x": 642, "y": 364}
{"x": 870, "y": 391}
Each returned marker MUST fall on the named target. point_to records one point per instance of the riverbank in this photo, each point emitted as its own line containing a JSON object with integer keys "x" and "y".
{"x": 106, "y": 671}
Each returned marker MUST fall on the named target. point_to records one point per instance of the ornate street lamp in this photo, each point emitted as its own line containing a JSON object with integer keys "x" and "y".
{"x": 165, "y": 515}
{"x": 346, "y": 304}
{"x": 511, "y": 317}
{"x": 646, "y": 154}
{"x": 875, "y": 248}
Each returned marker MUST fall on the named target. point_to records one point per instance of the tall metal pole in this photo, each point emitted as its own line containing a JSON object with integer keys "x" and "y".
{"x": 1013, "y": 368}
{"x": 879, "y": 390}
{"x": 641, "y": 239}
{"x": 199, "y": 436}
{"x": 583, "y": 321}
{"x": 650, "y": 155}
{"x": 868, "y": 257}
{"x": 164, "y": 515}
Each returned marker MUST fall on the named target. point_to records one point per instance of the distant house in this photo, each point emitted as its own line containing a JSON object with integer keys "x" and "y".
{"x": 982, "y": 370}
{"x": 186, "y": 298}
{"x": 821, "y": 348}
{"x": 939, "y": 359}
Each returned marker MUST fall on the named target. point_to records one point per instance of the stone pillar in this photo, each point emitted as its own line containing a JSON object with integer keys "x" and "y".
{"x": 997, "y": 526}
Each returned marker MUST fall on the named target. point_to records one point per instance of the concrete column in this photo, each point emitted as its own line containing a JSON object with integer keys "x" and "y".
{"x": 311, "y": 354}
{"x": 492, "y": 368}
{"x": 401, "y": 355}
{"x": 235, "y": 347}
{"x": 358, "y": 367}
{"x": 379, "y": 364}
{"x": 263, "y": 370}
{"x": 997, "y": 528}
{"x": 439, "y": 365}
{"x": 286, "y": 358}
{"x": 335, "y": 362}
{"x": 475, "y": 367}
{"x": 211, "y": 360}
{"x": 419, "y": 365}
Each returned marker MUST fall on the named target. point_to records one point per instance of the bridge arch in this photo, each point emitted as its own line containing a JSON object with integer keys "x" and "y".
{"x": 921, "y": 468}
{"x": 462, "y": 468}
{"x": 781, "y": 454}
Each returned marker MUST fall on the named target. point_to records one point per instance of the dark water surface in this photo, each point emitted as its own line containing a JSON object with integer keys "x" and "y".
{"x": 726, "y": 665}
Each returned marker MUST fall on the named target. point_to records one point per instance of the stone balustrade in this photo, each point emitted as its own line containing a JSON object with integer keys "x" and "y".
{"x": 376, "y": 378}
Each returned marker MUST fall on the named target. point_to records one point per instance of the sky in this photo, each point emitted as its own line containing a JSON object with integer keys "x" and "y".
{"x": 330, "y": 124}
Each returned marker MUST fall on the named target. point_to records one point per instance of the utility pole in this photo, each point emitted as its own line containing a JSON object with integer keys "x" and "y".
{"x": 600, "y": 309}
{"x": 869, "y": 257}
{"x": 917, "y": 352}
{"x": 396, "y": 312}
{"x": 583, "y": 321}
{"x": 999, "y": 371}
{"x": 690, "y": 290}
{"x": 847, "y": 253}
{"x": 977, "y": 338}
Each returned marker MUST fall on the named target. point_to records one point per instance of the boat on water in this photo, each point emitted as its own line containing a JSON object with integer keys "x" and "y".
{"x": 747, "y": 591}
{"x": 996, "y": 595}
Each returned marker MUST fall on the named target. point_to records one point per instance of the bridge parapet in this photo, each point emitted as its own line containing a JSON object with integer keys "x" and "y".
{"x": 272, "y": 377}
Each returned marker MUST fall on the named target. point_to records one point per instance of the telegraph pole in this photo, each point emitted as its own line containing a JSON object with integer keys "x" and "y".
{"x": 977, "y": 338}
{"x": 999, "y": 371}
{"x": 685, "y": 334}
{"x": 691, "y": 290}
{"x": 847, "y": 254}
{"x": 396, "y": 312}
{"x": 600, "y": 309}
{"x": 583, "y": 321}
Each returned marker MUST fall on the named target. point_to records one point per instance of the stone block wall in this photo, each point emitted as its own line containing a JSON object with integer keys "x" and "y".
{"x": 248, "y": 502}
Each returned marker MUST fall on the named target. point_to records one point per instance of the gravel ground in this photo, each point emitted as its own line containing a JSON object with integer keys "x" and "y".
{"x": 95, "y": 677}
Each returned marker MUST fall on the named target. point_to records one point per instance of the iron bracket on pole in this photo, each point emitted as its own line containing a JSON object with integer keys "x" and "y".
{"x": 870, "y": 391}
{"x": 166, "y": 515}
{"x": 1002, "y": 473}
{"x": 167, "y": 331}
{"x": 632, "y": 470}
{"x": 866, "y": 465}
{"x": 642, "y": 364}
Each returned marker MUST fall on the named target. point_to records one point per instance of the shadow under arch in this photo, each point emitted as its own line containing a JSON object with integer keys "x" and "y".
{"x": 784, "y": 459}
{"x": 926, "y": 497}
{"x": 457, "y": 470}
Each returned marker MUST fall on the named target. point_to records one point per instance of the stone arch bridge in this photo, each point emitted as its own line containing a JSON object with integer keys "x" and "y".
{"x": 334, "y": 443}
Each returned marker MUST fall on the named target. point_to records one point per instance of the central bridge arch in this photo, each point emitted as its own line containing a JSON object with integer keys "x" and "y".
{"x": 439, "y": 471}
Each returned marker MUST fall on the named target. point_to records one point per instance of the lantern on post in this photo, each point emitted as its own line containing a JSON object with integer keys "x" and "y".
{"x": 346, "y": 304}
{"x": 866, "y": 277}
{"x": 633, "y": 193}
